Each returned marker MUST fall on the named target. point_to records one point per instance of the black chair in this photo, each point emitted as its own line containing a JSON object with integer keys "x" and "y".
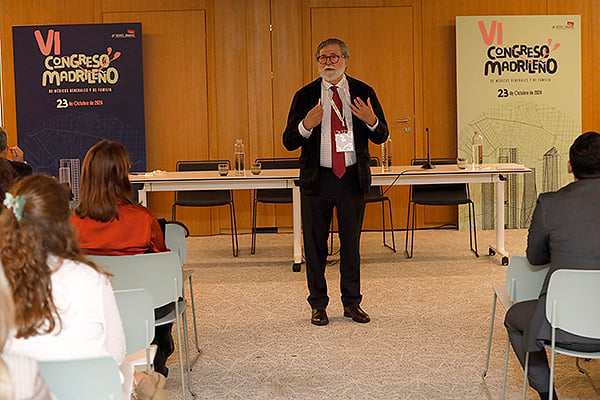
{"x": 206, "y": 198}
{"x": 375, "y": 195}
{"x": 439, "y": 195}
{"x": 271, "y": 196}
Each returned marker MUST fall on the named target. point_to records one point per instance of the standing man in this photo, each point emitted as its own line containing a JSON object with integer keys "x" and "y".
{"x": 332, "y": 119}
{"x": 564, "y": 233}
{"x": 21, "y": 168}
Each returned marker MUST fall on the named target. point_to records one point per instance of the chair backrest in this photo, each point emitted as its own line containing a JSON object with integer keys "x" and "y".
{"x": 175, "y": 240}
{"x": 278, "y": 163}
{"x": 202, "y": 198}
{"x": 200, "y": 165}
{"x": 136, "y": 308}
{"x": 160, "y": 273}
{"x": 523, "y": 280}
{"x": 446, "y": 194}
{"x": 375, "y": 193}
{"x": 434, "y": 161}
{"x": 89, "y": 378}
{"x": 572, "y": 302}
{"x": 279, "y": 196}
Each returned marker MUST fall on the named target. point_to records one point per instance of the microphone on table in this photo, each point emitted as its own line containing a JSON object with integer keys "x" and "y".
{"x": 428, "y": 164}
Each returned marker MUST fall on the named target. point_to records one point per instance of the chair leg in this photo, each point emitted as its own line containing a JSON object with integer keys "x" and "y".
{"x": 579, "y": 367}
{"x": 194, "y": 316}
{"x": 253, "y": 245}
{"x": 179, "y": 342}
{"x": 525, "y": 372}
{"x": 489, "y": 348}
{"x": 507, "y": 352}
{"x": 383, "y": 223}
{"x": 410, "y": 227}
{"x": 586, "y": 373}
{"x": 234, "y": 238}
{"x": 473, "y": 231}
{"x": 393, "y": 247}
{"x": 551, "y": 386}
{"x": 174, "y": 213}
{"x": 187, "y": 352}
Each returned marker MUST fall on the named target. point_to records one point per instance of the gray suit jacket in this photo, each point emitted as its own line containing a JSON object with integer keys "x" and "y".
{"x": 564, "y": 232}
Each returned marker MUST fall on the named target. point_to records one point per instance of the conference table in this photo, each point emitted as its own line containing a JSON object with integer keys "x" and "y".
{"x": 167, "y": 181}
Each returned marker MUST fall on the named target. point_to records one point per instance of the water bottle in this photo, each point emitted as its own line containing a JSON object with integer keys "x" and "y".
{"x": 239, "y": 158}
{"x": 386, "y": 155}
{"x": 477, "y": 150}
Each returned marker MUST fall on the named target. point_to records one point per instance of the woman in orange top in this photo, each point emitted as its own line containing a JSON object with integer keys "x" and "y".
{"x": 108, "y": 222}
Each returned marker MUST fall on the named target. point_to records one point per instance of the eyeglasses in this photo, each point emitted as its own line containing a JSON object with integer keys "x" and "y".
{"x": 333, "y": 59}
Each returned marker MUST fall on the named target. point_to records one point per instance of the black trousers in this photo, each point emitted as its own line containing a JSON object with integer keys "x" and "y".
{"x": 163, "y": 339}
{"x": 317, "y": 211}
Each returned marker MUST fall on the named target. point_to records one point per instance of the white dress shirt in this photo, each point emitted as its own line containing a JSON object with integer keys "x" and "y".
{"x": 326, "y": 98}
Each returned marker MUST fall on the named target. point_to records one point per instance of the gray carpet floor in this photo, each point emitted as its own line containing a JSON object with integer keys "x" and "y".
{"x": 427, "y": 338}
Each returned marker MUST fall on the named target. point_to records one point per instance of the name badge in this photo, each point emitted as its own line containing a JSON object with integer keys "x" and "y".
{"x": 344, "y": 141}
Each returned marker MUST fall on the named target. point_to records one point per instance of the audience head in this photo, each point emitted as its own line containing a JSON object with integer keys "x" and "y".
{"x": 34, "y": 224}
{"x": 3, "y": 142}
{"x": 8, "y": 175}
{"x": 104, "y": 182}
{"x": 584, "y": 156}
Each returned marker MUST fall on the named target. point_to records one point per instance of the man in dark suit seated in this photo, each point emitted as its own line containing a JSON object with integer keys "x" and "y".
{"x": 564, "y": 233}
{"x": 21, "y": 168}
{"x": 332, "y": 119}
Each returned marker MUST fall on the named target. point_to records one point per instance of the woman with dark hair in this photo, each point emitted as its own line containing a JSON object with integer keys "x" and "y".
{"x": 64, "y": 304}
{"x": 108, "y": 222}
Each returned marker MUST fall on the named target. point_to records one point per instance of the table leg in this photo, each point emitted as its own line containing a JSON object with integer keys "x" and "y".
{"x": 143, "y": 196}
{"x": 500, "y": 223}
{"x": 297, "y": 224}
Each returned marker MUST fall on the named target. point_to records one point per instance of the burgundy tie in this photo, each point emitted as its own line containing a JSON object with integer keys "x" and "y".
{"x": 338, "y": 159}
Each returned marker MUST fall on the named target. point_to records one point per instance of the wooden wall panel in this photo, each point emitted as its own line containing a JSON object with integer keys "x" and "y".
{"x": 590, "y": 55}
{"x": 175, "y": 52}
{"x": 439, "y": 72}
{"x": 34, "y": 12}
{"x": 240, "y": 100}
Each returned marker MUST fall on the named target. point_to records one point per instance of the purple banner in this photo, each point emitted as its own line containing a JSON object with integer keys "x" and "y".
{"x": 76, "y": 85}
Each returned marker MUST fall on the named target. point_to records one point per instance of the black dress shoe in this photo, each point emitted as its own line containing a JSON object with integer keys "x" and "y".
{"x": 356, "y": 313}
{"x": 319, "y": 317}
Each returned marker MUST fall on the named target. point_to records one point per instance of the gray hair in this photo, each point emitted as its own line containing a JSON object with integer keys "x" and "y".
{"x": 333, "y": 41}
{"x": 3, "y": 139}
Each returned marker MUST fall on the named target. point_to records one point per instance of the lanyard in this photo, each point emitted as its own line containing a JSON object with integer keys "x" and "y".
{"x": 335, "y": 108}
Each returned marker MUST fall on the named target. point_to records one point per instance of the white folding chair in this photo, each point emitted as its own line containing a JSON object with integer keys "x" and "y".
{"x": 523, "y": 282}
{"x": 136, "y": 308}
{"x": 160, "y": 273}
{"x": 87, "y": 378}
{"x": 175, "y": 238}
{"x": 572, "y": 306}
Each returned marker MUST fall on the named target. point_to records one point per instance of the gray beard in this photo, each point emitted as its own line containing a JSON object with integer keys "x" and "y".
{"x": 331, "y": 75}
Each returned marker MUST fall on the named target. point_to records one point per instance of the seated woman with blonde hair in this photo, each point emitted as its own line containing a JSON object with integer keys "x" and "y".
{"x": 108, "y": 222}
